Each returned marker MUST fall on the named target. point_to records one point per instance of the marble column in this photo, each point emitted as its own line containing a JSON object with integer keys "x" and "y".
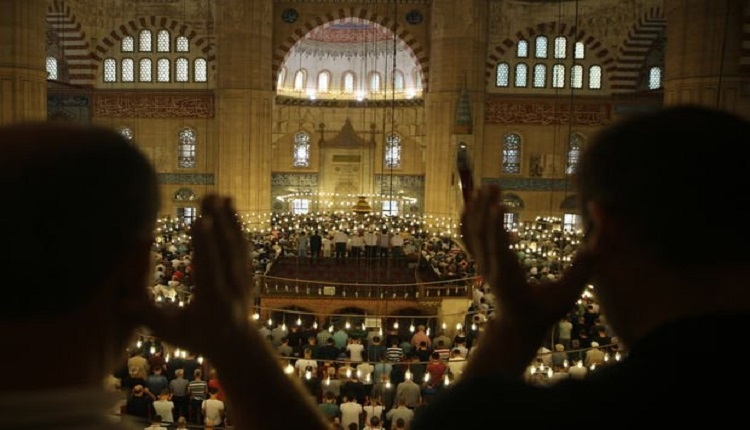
{"x": 459, "y": 35}
{"x": 23, "y": 75}
{"x": 244, "y": 103}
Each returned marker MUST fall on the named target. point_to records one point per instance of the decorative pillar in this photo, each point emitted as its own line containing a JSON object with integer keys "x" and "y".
{"x": 23, "y": 74}
{"x": 244, "y": 99}
{"x": 454, "y": 102}
{"x": 704, "y": 56}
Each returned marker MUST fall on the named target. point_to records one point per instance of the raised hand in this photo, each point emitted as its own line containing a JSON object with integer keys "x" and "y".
{"x": 525, "y": 310}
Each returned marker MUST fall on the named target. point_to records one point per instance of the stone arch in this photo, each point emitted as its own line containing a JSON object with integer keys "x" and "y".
{"x": 606, "y": 60}
{"x": 291, "y": 314}
{"x": 418, "y": 52}
{"x": 200, "y": 44}
{"x": 66, "y": 28}
{"x": 635, "y": 50}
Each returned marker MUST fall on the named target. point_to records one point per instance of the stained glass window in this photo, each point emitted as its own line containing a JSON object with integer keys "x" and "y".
{"x": 181, "y": 68}
{"x": 522, "y": 75}
{"x": 162, "y": 41}
{"x": 127, "y": 44}
{"x": 186, "y": 143}
{"x": 144, "y": 44}
{"x": 574, "y": 153}
{"x": 512, "y": 154}
{"x": 580, "y": 51}
{"x": 301, "y": 149}
{"x": 540, "y": 76}
{"x": 398, "y": 80}
{"x": 576, "y": 76}
{"x": 502, "y": 78}
{"x": 595, "y": 77}
{"x": 541, "y": 47}
{"x": 110, "y": 70}
{"x": 200, "y": 73}
{"x": 324, "y": 78}
{"x": 654, "y": 78}
{"x": 522, "y": 49}
{"x": 392, "y": 151}
{"x": 52, "y": 68}
{"x": 128, "y": 70}
{"x": 145, "y": 69}
{"x": 561, "y": 47}
{"x": 558, "y": 76}
{"x": 182, "y": 45}
{"x": 162, "y": 69}
{"x": 348, "y": 82}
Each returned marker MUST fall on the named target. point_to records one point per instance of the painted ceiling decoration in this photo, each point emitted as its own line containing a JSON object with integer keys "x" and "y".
{"x": 348, "y": 38}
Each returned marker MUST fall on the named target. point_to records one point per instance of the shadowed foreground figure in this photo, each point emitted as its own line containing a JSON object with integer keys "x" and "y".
{"x": 669, "y": 265}
{"x": 79, "y": 210}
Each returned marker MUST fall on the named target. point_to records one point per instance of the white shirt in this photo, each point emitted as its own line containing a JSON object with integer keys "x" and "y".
{"x": 355, "y": 351}
{"x": 350, "y": 412}
{"x": 213, "y": 409}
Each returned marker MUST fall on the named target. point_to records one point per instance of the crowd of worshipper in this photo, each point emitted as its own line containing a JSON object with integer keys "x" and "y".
{"x": 544, "y": 247}
{"x": 370, "y": 377}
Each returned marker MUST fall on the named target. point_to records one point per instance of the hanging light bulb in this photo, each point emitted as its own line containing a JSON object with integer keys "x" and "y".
{"x": 445, "y": 326}
{"x": 283, "y": 326}
{"x": 446, "y": 380}
{"x": 565, "y": 363}
{"x": 166, "y": 358}
{"x": 349, "y": 372}
{"x": 289, "y": 369}
{"x": 474, "y": 326}
{"x": 152, "y": 350}
{"x": 550, "y": 372}
{"x": 368, "y": 378}
{"x": 315, "y": 325}
{"x": 348, "y": 325}
{"x": 618, "y": 356}
{"x": 427, "y": 377}
{"x": 395, "y": 325}
{"x": 139, "y": 344}
{"x": 459, "y": 326}
{"x": 330, "y": 328}
{"x": 411, "y": 327}
{"x": 580, "y": 364}
{"x": 593, "y": 366}
{"x": 299, "y": 321}
{"x": 308, "y": 375}
{"x": 364, "y": 327}
{"x": 328, "y": 381}
{"x": 427, "y": 332}
{"x": 200, "y": 359}
{"x": 269, "y": 322}
{"x": 256, "y": 316}
{"x": 408, "y": 374}
{"x": 388, "y": 385}
{"x": 183, "y": 354}
{"x": 380, "y": 331}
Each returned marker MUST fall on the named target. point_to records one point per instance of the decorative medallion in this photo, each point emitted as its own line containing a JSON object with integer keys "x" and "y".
{"x": 414, "y": 17}
{"x": 289, "y": 15}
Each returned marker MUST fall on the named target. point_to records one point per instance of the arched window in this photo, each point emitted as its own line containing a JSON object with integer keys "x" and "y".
{"x": 654, "y": 78}
{"x": 300, "y": 80}
{"x": 127, "y": 44}
{"x": 52, "y": 68}
{"x": 186, "y": 148}
{"x": 522, "y": 49}
{"x": 127, "y": 72}
{"x": 324, "y": 79}
{"x": 181, "y": 69}
{"x": 392, "y": 151}
{"x": 574, "y": 153}
{"x": 541, "y": 47}
{"x": 187, "y": 214}
{"x": 162, "y": 70}
{"x": 182, "y": 44}
{"x": 300, "y": 206}
{"x": 522, "y": 75}
{"x": 558, "y": 76}
{"x": 375, "y": 82}
{"x": 348, "y": 82}
{"x": 580, "y": 51}
{"x": 200, "y": 72}
{"x": 561, "y": 47}
{"x": 398, "y": 80}
{"x": 162, "y": 41}
{"x": 145, "y": 70}
{"x": 576, "y": 76}
{"x": 110, "y": 70}
{"x": 595, "y": 77}
{"x": 512, "y": 154}
{"x": 502, "y": 78}
{"x": 127, "y": 133}
{"x": 570, "y": 208}
{"x": 417, "y": 78}
{"x": 144, "y": 42}
{"x": 540, "y": 76}
{"x": 301, "y": 149}
{"x": 282, "y": 77}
